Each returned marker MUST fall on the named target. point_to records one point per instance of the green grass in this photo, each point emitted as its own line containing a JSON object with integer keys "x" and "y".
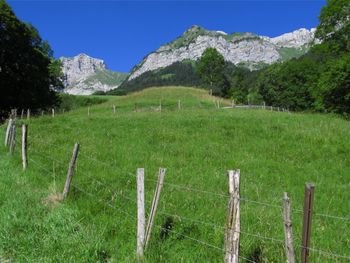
{"x": 71, "y": 102}
{"x": 288, "y": 53}
{"x": 275, "y": 152}
{"x": 107, "y": 77}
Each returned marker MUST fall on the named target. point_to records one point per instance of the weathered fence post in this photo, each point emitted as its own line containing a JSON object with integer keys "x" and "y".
{"x": 13, "y": 138}
{"x": 179, "y": 104}
{"x": 308, "y": 206}
{"x": 232, "y": 232}
{"x": 288, "y": 232}
{"x": 28, "y": 114}
{"x": 114, "y": 109}
{"x": 42, "y": 113}
{"x": 53, "y": 113}
{"x": 24, "y": 145}
{"x": 264, "y": 105}
{"x": 154, "y": 206}
{"x": 8, "y": 132}
{"x": 70, "y": 171}
{"x": 140, "y": 212}
{"x": 233, "y": 103}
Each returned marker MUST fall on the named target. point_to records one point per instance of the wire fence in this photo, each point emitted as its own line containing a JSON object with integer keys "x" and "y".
{"x": 34, "y": 142}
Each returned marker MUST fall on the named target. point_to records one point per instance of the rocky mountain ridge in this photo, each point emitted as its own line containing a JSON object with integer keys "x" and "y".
{"x": 246, "y": 49}
{"x": 84, "y": 75}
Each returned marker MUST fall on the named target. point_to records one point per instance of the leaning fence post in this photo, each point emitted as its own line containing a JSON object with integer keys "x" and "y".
{"x": 308, "y": 206}
{"x": 13, "y": 138}
{"x": 288, "y": 233}
{"x": 140, "y": 212}
{"x": 24, "y": 145}
{"x": 70, "y": 171}
{"x": 8, "y": 131}
{"x": 154, "y": 206}
{"x": 233, "y": 218}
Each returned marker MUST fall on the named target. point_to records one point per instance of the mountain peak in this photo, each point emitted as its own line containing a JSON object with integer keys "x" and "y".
{"x": 247, "y": 49}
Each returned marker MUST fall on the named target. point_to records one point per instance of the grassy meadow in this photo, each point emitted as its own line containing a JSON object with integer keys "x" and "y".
{"x": 275, "y": 152}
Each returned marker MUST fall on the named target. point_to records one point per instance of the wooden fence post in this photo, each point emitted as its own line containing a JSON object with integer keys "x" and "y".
{"x": 53, "y": 113}
{"x": 179, "y": 104}
{"x": 288, "y": 232}
{"x": 13, "y": 138}
{"x": 42, "y": 113}
{"x": 233, "y": 103}
{"x": 308, "y": 206}
{"x": 24, "y": 146}
{"x": 8, "y": 132}
{"x": 232, "y": 232}
{"x": 114, "y": 109}
{"x": 28, "y": 114}
{"x": 140, "y": 212}
{"x": 154, "y": 206}
{"x": 70, "y": 171}
{"x": 264, "y": 105}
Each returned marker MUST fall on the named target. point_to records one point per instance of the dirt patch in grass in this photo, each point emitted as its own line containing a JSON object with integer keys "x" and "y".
{"x": 52, "y": 200}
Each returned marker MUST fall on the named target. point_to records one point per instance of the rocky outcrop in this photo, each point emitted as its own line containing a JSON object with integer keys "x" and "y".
{"x": 247, "y": 49}
{"x": 296, "y": 39}
{"x": 84, "y": 75}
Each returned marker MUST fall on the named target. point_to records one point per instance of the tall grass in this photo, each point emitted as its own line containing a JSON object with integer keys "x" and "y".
{"x": 275, "y": 152}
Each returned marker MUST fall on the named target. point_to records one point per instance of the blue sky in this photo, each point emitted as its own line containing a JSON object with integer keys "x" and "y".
{"x": 123, "y": 32}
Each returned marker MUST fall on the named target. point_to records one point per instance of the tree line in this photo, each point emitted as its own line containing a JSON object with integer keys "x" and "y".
{"x": 29, "y": 75}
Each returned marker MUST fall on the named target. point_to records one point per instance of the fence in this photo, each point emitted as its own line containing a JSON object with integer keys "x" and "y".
{"x": 231, "y": 231}
{"x": 162, "y": 105}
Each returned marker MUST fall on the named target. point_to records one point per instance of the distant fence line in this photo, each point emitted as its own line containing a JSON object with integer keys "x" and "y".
{"x": 145, "y": 106}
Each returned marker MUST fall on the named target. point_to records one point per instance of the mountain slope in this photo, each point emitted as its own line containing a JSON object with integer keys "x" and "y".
{"x": 85, "y": 75}
{"x": 245, "y": 49}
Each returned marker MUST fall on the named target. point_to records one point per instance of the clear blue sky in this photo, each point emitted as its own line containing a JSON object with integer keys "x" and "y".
{"x": 123, "y": 32}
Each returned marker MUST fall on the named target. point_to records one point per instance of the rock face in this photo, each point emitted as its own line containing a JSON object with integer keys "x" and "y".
{"x": 244, "y": 49}
{"x": 84, "y": 75}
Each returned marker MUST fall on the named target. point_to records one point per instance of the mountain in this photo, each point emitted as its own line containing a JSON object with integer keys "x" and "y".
{"x": 84, "y": 75}
{"x": 242, "y": 49}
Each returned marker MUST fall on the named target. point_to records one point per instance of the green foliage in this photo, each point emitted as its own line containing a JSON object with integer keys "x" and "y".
{"x": 334, "y": 20}
{"x": 178, "y": 74}
{"x": 72, "y": 102}
{"x": 334, "y": 85}
{"x": 275, "y": 152}
{"x": 289, "y": 84}
{"x": 210, "y": 68}
{"x": 28, "y": 73}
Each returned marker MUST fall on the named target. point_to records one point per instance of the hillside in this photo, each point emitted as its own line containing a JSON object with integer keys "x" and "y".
{"x": 275, "y": 152}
